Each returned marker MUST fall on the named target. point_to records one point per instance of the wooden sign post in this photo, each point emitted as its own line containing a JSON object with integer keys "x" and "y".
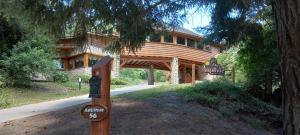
{"x": 99, "y": 109}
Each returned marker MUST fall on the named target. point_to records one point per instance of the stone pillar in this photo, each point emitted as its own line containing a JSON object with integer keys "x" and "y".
{"x": 150, "y": 76}
{"x": 115, "y": 70}
{"x": 175, "y": 71}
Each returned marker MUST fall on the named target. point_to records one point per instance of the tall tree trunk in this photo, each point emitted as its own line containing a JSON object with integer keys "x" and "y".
{"x": 268, "y": 87}
{"x": 287, "y": 14}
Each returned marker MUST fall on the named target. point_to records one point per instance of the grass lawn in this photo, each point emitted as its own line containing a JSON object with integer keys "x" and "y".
{"x": 198, "y": 94}
{"x": 42, "y": 91}
{"x": 152, "y": 92}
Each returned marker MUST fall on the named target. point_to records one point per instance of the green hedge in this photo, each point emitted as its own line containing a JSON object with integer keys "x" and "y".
{"x": 212, "y": 93}
{"x": 226, "y": 97}
{"x": 119, "y": 81}
{"x": 60, "y": 76}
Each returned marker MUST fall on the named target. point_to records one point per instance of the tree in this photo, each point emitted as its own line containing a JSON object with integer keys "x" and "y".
{"x": 251, "y": 27}
{"x": 85, "y": 15}
{"x": 28, "y": 58}
{"x": 10, "y": 34}
{"x": 288, "y": 41}
{"x": 132, "y": 19}
{"x": 259, "y": 59}
{"x": 229, "y": 59}
{"x": 287, "y": 20}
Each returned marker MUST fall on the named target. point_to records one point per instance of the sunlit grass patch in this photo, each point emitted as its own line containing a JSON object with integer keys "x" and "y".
{"x": 150, "y": 93}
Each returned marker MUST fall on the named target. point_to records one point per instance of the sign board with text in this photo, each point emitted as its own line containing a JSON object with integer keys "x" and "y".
{"x": 94, "y": 112}
{"x": 213, "y": 68}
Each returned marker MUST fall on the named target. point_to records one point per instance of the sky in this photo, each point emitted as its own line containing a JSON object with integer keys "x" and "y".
{"x": 197, "y": 18}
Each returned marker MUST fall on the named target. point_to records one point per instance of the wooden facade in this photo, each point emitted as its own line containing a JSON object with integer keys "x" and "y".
{"x": 154, "y": 54}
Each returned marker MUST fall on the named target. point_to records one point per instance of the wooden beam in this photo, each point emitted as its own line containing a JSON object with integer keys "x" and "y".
{"x": 174, "y": 39}
{"x": 167, "y": 65}
{"x": 199, "y": 72}
{"x": 66, "y": 64}
{"x": 85, "y": 60}
{"x": 144, "y": 66}
{"x": 193, "y": 73}
{"x": 146, "y": 59}
{"x": 123, "y": 63}
{"x": 184, "y": 74}
{"x": 162, "y": 38}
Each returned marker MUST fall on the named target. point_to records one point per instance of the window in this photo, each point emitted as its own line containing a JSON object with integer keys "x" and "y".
{"x": 155, "y": 38}
{"x": 200, "y": 45}
{"x": 79, "y": 62}
{"x": 92, "y": 61}
{"x": 180, "y": 40}
{"x": 191, "y": 43}
{"x": 168, "y": 38}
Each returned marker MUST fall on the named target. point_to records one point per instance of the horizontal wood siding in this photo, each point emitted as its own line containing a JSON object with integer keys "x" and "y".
{"x": 152, "y": 49}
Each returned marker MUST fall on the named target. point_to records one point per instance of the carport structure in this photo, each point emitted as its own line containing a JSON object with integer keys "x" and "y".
{"x": 177, "y": 52}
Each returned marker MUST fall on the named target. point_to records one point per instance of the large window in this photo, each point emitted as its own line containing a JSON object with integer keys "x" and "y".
{"x": 155, "y": 37}
{"x": 92, "y": 61}
{"x": 79, "y": 62}
{"x": 180, "y": 40}
{"x": 168, "y": 38}
{"x": 191, "y": 43}
{"x": 200, "y": 45}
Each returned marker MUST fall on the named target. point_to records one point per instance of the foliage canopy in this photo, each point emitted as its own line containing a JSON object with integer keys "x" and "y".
{"x": 132, "y": 19}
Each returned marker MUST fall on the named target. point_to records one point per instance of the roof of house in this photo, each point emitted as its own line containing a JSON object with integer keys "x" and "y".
{"x": 170, "y": 29}
{"x": 186, "y": 31}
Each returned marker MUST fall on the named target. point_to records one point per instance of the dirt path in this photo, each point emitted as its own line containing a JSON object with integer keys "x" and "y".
{"x": 167, "y": 115}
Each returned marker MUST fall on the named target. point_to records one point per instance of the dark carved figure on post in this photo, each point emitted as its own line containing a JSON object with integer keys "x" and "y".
{"x": 95, "y": 87}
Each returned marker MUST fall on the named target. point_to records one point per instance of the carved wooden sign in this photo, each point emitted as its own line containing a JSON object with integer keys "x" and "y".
{"x": 213, "y": 68}
{"x": 94, "y": 112}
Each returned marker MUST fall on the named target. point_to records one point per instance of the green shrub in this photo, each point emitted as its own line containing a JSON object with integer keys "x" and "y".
{"x": 134, "y": 73}
{"x": 160, "y": 76}
{"x": 27, "y": 58}
{"x": 212, "y": 92}
{"x": 226, "y": 97}
{"x": 60, "y": 76}
{"x": 4, "y": 98}
{"x": 118, "y": 81}
{"x": 84, "y": 78}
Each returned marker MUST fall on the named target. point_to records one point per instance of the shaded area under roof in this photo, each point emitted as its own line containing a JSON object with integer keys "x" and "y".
{"x": 185, "y": 31}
